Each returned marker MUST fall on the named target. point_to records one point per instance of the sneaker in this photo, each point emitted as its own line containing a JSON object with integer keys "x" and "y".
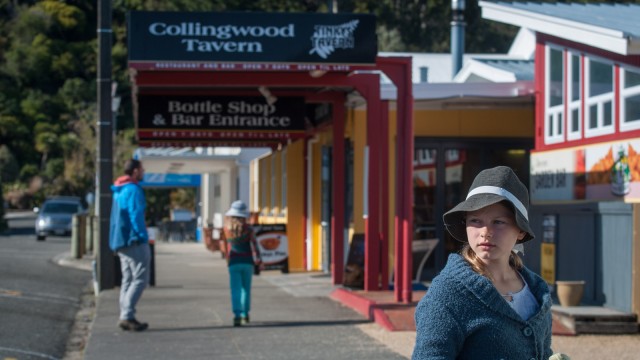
{"x": 244, "y": 320}
{"x": 132, "y": 325}
{"x": 237, "y": 321}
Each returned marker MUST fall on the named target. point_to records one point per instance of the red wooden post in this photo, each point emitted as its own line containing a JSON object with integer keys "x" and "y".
{"x": 384, "y": 194}
{"x": 337, "y": 222}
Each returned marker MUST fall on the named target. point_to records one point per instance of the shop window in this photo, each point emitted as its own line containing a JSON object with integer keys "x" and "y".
{"x": 599, "y": 103}
{"x": 630, "y": 99}
{"x": 554, "y": 101}
{"x": 574, "y": 122}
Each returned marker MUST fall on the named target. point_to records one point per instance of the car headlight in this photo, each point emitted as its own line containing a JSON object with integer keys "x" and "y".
{"x": 43, "y": 222}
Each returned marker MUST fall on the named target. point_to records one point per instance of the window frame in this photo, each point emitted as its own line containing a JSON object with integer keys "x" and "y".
{"x": 626, "y": 93}
{"x": 598, "y": 100}
{"x": 574, "y": 104}
{"x": 556, "y": 112}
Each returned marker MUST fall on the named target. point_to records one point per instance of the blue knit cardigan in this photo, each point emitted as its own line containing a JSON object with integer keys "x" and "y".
{"x": 463, "y": 316}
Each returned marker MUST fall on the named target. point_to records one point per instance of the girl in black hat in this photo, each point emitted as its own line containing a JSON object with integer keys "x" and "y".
{"x": 485, "y": 304}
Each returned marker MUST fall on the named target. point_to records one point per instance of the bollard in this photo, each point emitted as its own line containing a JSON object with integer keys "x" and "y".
{"x": 96, "y": 236}
{"x": 89, "y": 234}
{"x": 152, "y": 232}
{"x": 78, "y": 236}
{"x": 152, "y": 263}
{"x": 82, "y": 234}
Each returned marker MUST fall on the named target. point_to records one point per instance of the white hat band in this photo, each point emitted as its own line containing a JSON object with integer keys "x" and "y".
{"x": 502, "y": 192}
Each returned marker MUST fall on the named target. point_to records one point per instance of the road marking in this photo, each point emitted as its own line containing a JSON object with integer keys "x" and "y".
{"x": 10, "y": 292}
{"x": 44, "y": 356}
{"x": 15, "y": 294}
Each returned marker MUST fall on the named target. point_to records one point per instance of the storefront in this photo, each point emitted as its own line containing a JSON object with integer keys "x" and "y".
{"x": 252, "y": 82}
{"x": 584, "y": 170}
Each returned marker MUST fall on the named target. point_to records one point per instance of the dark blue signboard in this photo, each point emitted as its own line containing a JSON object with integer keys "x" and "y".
{"x": 204, "y": 40}
{"x": 197, "y": 117}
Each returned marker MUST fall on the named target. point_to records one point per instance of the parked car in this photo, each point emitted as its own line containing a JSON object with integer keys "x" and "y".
{"x": 55, "y": 215}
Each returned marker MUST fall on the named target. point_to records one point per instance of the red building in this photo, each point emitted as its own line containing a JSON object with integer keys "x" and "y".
{"x": 585, "y": 168}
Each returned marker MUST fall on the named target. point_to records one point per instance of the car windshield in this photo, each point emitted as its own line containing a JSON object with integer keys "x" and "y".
{"x": 60, "y": 208}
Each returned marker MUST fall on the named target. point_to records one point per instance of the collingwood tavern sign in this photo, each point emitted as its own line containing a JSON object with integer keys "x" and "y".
{"x": 194, "y": 40}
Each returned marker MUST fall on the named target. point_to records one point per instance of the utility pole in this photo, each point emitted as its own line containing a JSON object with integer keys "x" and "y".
{"x": 332, "y": 6}
{"x": 104, "y": 175}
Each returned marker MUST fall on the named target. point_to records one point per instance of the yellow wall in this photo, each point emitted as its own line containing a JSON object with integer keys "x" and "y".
{"x": 264, "y": 195}
{"x": 474, "y": 123}
{"x": 294, "y": 209}
{"x": 315, "y": 216}
{"x": 358, "y": 130}
{"x": 295, "y": 202}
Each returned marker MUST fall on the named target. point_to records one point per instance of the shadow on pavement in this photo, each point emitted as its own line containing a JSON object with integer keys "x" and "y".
{"x": 266, "y": 324}
{"x": 21, "y": 231}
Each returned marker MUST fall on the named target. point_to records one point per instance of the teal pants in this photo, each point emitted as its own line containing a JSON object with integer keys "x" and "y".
{"x": 240, "y": 283}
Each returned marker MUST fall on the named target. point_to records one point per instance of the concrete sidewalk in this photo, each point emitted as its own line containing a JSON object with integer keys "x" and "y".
{"x": 293, "y": 317}
{"x": 189, "y": 316}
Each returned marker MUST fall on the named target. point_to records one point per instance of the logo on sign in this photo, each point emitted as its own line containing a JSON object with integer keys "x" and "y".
{"x": 327, "y": 38}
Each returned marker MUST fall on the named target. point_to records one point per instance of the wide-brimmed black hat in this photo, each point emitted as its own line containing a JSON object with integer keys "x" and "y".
{"x": 491, "y": 186}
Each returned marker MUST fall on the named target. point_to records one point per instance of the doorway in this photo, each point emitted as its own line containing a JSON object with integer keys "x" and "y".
{"x": 443, "y": 172}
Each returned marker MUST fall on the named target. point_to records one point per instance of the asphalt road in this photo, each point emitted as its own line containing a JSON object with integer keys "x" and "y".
{"x": 38, "y": 298}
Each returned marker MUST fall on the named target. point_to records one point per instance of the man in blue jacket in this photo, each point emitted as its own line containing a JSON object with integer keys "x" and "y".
{"x": 129, "y": 239}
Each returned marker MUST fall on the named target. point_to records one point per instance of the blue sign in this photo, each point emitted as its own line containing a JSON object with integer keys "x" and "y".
{"x": 170, "y": 180}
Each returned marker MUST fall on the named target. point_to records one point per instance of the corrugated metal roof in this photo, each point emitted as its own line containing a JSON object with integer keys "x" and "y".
{"x": 610, "y": 27}
{"x": 522, "y": 69}
{"x": 620, "y": 17}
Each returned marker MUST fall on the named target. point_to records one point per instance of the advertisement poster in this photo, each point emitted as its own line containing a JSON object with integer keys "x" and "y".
{"x": 548, "y": 262}
{"x": 609, "y": 171}
{"x": 273, "y": 246}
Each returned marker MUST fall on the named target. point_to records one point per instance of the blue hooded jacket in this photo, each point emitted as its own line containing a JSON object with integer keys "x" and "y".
{"x": 463, "y": 316}
{"x": 127, "y": 214}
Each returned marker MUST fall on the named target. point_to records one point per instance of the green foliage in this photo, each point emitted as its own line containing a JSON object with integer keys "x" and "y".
{"x": 53, "y": 169}
{"x": 158, "y": 205}
{"x": 183, "y": 198}
{"x": 8, "y": 165}
{"x": 48, "y": 68}
{"x": 11, "y": 128}
{"x": 27, "y": 172}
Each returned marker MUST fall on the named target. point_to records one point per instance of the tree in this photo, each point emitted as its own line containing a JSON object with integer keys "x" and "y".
{"x": 8, "y": 165}
{"x": 48, "y": 65}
